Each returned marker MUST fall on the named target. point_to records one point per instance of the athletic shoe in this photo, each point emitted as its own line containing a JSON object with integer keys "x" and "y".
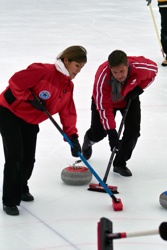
{"x": 87, "y": 147}
{"x": 164, "y": 63}
{"x": 124, "y": 171}
{"x": 27, "y": 197}
{"x": 11, "y": 210}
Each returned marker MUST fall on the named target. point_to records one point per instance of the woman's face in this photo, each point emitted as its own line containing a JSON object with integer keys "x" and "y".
{"x": 73, "y": 67}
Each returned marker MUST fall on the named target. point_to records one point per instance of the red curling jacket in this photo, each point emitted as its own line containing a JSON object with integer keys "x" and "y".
{"x": 142, "y": 72}
{"x": 50, "y": 85}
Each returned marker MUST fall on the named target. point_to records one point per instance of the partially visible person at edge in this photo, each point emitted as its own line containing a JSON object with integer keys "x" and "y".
{"x": 21, "y": 112}
{"x": 118, "y": 80}
{"x": 162, "y": 4}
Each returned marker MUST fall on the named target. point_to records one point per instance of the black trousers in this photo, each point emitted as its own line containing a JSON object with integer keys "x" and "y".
{"x": 19, "y": 142}
{"x": 130, "y": 135}
{"x": 163, "y": 13}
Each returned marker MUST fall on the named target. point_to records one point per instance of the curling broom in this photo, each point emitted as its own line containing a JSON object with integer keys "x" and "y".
{"x": 117, "y": 203}
{"x": 98, "y": 187}
{"x": 106, "y": 236}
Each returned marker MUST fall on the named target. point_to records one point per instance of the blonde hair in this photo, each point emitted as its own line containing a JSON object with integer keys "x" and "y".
{"x": 74, "y": 53}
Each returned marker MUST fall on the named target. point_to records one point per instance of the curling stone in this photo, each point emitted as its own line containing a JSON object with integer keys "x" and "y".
{"x": 163, "y": 199}
{"x": 76, "y": 175}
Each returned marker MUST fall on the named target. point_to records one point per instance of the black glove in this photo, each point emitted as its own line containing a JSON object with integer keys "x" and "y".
{"x": 149, "y": 1}
{"x": 113, "y": 139}
{"x": 133, "y": 93}
{"x": 37, "y": 104}
{"x": 75, "y": 143}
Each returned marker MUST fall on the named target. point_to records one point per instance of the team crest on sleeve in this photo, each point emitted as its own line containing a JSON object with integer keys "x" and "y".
{"x": 44, "y": 94}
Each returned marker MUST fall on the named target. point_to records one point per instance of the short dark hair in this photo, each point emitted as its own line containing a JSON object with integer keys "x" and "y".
{"x": 116, "y": 58}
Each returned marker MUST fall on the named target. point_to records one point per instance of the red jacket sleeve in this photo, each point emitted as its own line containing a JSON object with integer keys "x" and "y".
{"x": 68, "y": 117}
{"x": 144, "y": 71}
{"x": 102, "y": 97}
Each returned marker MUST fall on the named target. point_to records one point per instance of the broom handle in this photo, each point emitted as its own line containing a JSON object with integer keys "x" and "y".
{"x": 157, "y": 31}
{"x": 133, "y": 234}
{"x": 162, "y": 230}
{"x": 79, "y": 154}
{"x": 119, "y": 134}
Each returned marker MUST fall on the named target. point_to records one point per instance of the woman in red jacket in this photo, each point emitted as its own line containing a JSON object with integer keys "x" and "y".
{"x": 116, "y": 81}
{"x": 20, "y": 114}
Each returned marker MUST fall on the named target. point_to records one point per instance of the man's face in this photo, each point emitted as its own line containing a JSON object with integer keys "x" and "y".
{"x": 120, "y": 72}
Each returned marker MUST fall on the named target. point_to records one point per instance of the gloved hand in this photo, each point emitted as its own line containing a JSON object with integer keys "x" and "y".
{"x": 149, "y": 1}
{"x": 133, "y": 93}
{"x": 113, "y": 139}
{"x": 39, "y": 105}
{"x": 75, "y": 143}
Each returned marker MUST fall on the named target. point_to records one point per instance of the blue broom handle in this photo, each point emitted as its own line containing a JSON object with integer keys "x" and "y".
{"x": 79, "y": 154}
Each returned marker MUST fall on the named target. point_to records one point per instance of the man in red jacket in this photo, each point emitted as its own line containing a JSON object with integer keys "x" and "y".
{"x": 116, "y": 81}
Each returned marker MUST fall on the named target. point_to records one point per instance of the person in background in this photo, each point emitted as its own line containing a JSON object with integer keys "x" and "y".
{"x": 118, "y": 80}
{"x": 21, "y": 112}
{"x": 162, "y": 4}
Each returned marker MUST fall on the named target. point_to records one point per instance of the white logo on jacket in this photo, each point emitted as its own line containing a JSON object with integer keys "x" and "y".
{"x": 44, "y": 94}
{"x": 133, "y": 82}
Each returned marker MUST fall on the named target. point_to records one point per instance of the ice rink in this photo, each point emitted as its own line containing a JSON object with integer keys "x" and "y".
{"x": 64, "y": 217}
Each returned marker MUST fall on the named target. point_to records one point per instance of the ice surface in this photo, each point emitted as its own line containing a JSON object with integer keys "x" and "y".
{"x": 65, "y": 217}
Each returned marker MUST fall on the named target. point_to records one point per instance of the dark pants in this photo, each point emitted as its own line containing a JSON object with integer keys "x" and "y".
{"x": 19, "y": 142}
{"x": 130, "y": 134}
{"x": 163, "y": 12}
